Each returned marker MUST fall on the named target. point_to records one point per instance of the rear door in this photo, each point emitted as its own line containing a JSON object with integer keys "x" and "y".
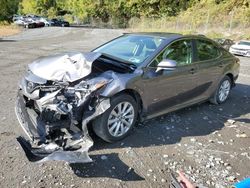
{"x": 210, "y": 66}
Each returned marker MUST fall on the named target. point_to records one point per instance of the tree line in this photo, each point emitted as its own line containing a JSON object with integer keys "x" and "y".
{"x": 104, "y": 10}
{"x": 99, "y": 9}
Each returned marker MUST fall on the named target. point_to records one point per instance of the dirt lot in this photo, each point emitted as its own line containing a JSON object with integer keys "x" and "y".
{"x": 213, "y": 151}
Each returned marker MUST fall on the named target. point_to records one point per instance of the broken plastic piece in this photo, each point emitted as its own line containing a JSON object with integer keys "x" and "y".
{"x": 40, "y": 155}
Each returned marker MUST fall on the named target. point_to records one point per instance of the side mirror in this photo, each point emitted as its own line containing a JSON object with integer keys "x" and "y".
{"x": 166, "y": 64}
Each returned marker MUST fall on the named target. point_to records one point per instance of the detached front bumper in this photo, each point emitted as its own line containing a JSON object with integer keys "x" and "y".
{"x": 71, "y": 143}
{"x": 44, "y": 153}
{"x": 26, "y": 117}
{"x": 34, "y": 129}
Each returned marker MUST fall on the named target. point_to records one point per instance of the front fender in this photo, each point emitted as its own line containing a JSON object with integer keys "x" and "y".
{"x": 119, "y": 82}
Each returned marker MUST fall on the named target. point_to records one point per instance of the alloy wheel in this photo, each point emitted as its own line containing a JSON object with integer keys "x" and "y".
{"x": 224, "y": 90}
{"x": 121, "y": 119}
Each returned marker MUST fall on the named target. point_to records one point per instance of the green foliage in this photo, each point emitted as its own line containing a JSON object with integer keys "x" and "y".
{"x": 51, "y": 13}
{"x": 214, "y": 18}
{"x": 191, "y": 14}
{"x": 28, "y": 7}
{"x": 7, "y": 9}
{"x": 118, "y": 12}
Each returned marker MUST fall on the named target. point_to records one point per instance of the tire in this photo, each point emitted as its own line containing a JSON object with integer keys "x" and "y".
{"x": 31, "y": 26}
{"x": 106, "y": 125}
{"x": 224, "y": 86}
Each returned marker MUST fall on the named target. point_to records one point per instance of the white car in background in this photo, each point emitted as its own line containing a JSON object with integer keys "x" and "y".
{"x": 241, "y": 48}
{"x": 19, "y": 22}
{"x": 46, "y": 21}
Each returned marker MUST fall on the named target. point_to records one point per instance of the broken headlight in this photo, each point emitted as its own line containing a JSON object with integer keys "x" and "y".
{"x": 31, "y": 86}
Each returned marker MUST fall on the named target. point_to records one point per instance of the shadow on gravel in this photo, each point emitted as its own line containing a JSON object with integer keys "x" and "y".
{"x": 3, "y": 40}
{"x": 198, "y": 120}
{"x": 84, "y": 26}
{"x": 243, "y": 120}
{"x": 110, "y": 167}
{"x": 91, "y": 26}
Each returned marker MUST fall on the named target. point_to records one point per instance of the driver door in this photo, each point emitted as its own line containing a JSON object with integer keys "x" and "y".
{"x": 171, "y": 88}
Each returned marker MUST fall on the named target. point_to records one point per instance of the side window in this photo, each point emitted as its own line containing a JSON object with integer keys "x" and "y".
{"x": 206, "y": 50}
{"x": 179, "y": 51}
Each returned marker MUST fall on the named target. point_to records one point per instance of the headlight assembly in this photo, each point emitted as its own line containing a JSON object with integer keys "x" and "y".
{"x": 30, "y": 86}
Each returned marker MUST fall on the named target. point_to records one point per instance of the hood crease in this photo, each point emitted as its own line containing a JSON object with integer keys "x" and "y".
{"x": 64, "y": 67}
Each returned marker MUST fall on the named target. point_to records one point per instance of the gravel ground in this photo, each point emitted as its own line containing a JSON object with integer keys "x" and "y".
{"x": 210, "y": 143}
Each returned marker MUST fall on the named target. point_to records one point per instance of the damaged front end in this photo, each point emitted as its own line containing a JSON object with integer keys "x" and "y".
{"x": 54, "y": 110}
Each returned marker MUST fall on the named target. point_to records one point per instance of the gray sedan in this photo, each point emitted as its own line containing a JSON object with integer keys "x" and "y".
{"x": 129, "y": 79}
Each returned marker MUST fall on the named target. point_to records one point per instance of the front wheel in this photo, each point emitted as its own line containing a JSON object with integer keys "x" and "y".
{"x": 223, "y": 91}
{"x": 118, "y": 120}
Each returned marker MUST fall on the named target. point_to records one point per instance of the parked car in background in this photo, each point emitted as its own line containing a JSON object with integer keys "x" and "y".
{"x": 34, "y": 24}
{"x": 16, "y": 17}
{"x": 46, "y": 21}
{"x": 31, "y": 21}
{"x": 241, "y": 48}
{"x": 39, "y": 19}
{"x": 59, "y": 22}
{"x": 19, "y": 22}
{"x": 226, "y": 43}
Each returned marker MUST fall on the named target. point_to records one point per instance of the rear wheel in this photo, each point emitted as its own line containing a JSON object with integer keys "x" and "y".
{"x": 223, "y": 91}
{"x": 118, "y": 120}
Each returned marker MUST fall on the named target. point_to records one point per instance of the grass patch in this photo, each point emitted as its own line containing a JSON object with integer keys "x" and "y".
{"x": 7, "y": 30}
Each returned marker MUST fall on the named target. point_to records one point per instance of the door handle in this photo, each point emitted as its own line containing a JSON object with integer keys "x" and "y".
{"x": 192, "y": 71}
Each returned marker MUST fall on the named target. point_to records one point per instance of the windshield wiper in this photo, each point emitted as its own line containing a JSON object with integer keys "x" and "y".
{"x": 118, "y": 59}
{"x": 118, "y": 62}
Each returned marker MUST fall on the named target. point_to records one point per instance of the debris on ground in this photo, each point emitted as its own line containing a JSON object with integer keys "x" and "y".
{"x": 231, "y": 121}
{"x": 242, "y": 135}
{"x": 104, "y": 157}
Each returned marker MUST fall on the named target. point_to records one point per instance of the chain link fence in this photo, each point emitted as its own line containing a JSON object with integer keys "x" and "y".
{"x": 207, "y": 24}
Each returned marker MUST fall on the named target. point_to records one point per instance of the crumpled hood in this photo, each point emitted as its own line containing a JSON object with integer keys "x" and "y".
{"x": 64, "y": 67}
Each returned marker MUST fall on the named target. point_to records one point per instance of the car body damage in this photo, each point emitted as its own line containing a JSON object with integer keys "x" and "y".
{"x": 57, "y": 98}
{"x": 129, "y": 79}
{"x": 64, "y": 67}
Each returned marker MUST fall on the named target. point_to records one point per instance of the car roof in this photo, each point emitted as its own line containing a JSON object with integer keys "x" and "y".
{"x": 156, "y": 34}
{"x": 166, "y": 35}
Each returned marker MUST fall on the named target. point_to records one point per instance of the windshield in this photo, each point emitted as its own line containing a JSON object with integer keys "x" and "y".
{"x": 131, "y": 48}
{"x": 244, "y": 43}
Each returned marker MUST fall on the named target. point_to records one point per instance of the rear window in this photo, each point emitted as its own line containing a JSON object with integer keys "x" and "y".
{"x": 206, "y": 50}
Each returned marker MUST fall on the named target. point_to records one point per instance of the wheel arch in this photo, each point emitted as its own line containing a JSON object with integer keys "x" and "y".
{"x": 99, "y": 123}
{"x": 136, "y": 96}
{"x": 230, "y": 75}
